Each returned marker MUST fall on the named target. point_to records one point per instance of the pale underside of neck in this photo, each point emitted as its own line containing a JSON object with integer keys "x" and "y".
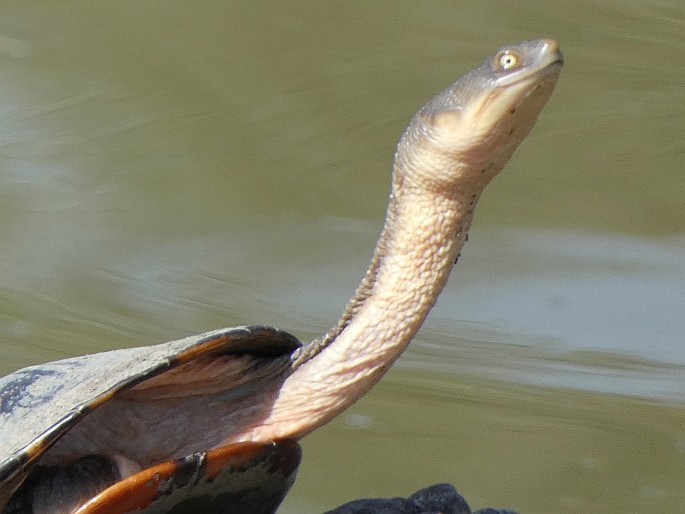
{"x": 423, "y": 235}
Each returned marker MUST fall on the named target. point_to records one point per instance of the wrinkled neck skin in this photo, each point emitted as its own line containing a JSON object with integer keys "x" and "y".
{"x": 424, "y": 232}
{"x": 450, "y": 151}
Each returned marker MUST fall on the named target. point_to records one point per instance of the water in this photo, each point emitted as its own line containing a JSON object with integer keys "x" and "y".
{"x": 167, "y": 168}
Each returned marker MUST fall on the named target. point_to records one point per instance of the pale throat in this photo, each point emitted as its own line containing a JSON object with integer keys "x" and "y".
{"x": 425, "y": 234}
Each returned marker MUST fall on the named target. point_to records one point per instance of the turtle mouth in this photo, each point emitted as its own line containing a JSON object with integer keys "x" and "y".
{"x": 551, "y": 69}
{"x": 547, "y": 60}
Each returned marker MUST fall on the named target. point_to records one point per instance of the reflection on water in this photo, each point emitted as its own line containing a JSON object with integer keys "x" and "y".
{"x": 579, "y": 310}
{"x": 166, "y": 169}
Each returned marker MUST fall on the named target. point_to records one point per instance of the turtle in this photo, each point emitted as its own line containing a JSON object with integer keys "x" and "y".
{"x": 214, "y": 419}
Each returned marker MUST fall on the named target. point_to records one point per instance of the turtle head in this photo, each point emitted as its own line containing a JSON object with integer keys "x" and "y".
{"x": 468, "y": 131}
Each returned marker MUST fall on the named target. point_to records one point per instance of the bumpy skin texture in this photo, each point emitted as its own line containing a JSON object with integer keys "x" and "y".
{"x": 453, "y": 147}
{"x": 436, "y": 499}
{"x": 148, "y": 406}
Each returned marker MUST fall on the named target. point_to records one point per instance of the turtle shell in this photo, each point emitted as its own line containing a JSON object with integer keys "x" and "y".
{"x": 242, "y": 478}
{"x": 40, "y": 404}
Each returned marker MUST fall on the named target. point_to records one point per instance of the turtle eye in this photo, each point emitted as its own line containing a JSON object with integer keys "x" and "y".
{"x": 507, "y": 60}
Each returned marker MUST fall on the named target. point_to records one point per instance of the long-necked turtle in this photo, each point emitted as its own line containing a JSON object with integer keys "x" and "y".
{"x": 211, "y": 420}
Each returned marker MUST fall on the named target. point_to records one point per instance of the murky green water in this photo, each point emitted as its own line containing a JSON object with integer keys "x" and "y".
{"x": 167, "y": 168}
